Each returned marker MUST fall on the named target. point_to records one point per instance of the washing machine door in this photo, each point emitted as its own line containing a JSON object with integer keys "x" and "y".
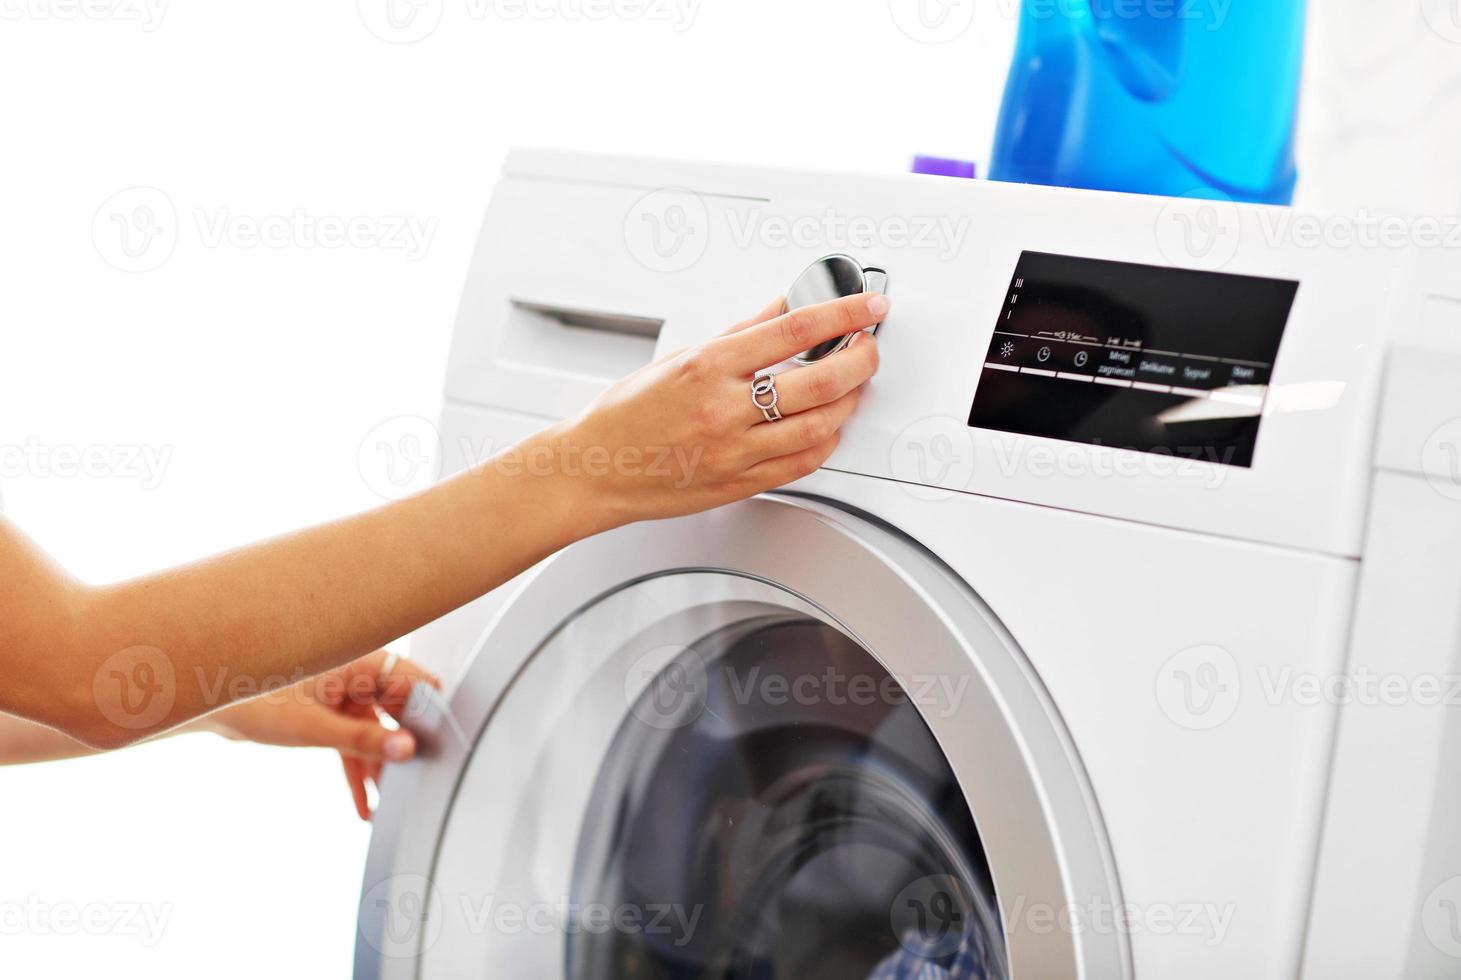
{"x": 772, "y": 742}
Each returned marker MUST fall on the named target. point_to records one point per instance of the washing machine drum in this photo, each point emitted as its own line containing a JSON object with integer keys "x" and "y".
{"x": 775, "y": 742}
{"x": 782, "y": 825}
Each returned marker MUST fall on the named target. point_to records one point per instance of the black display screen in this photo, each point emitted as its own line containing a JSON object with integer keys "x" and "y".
{"x": 1136, "y": 357}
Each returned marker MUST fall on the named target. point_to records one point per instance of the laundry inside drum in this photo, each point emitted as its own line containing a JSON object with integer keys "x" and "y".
{"x": 780, "y": 811}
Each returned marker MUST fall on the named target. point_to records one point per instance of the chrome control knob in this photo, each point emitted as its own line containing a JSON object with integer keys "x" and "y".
{"x": 827, "y": 279}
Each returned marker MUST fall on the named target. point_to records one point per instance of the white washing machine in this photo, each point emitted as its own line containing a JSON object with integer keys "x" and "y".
{"x": 1060, "y": 668}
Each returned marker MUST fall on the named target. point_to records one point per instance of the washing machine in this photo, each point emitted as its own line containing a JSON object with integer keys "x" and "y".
{"x": 1059, "y": 668}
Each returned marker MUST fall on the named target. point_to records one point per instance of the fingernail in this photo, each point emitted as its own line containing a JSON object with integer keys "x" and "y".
{"x": 399, "y": 747}
{"x": 878, "y": 305}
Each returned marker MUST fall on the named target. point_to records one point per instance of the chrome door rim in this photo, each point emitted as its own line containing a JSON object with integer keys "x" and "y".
{"x": 1019, "y": 771}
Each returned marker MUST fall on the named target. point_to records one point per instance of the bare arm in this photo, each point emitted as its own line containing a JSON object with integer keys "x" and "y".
{"x": 113, "y": 665}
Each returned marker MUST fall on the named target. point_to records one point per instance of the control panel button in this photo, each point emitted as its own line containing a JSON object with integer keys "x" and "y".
{"x": 827, "y": 279}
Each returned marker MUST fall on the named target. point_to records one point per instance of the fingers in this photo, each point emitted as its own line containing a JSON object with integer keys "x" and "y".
{"x": 363, "y": 682}
{"x": 355, "y": 775}
{"x": 773, "y": 341}
{"x": 395, "y": 689}
{"x": 773, "y": 310}
{"x": 773, "y": 473}
{"x": 364, "y": 739}
{"x": 823, "y": 383}
{"x": 805, "y": 430}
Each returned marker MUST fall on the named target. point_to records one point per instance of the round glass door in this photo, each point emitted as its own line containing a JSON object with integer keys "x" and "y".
{"x": 771, "y": 741}
{"x": 700, "y": 777}
{"x": 776, "y": 797}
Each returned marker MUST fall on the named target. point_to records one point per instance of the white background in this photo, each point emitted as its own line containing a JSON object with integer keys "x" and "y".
{"x": 258, "y": 370}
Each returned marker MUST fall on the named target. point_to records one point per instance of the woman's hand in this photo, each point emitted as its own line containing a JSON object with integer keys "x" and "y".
{"x": 344, "y": 709}
{"x": 682, "y": 435}
{"x": 114, "y": 665}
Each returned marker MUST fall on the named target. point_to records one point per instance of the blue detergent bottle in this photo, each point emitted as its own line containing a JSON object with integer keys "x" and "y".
{"x": 1195, "y": 98}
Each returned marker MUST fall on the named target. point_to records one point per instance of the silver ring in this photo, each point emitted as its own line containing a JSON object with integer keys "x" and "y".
{"x": 763, "y": 386}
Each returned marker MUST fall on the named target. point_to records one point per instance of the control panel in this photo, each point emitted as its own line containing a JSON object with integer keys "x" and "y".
{"x": 1134, "y": 356}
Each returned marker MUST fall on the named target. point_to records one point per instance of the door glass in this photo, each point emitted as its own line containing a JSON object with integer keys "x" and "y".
{"x": 773, "y": 807}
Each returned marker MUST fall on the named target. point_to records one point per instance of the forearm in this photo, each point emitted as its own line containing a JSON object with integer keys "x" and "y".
{"x": 146, "y": 656}
{"x": 25, "y": 741}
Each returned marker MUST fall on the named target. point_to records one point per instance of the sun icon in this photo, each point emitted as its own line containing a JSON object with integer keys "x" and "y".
{"x": 1007, "y": 349}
